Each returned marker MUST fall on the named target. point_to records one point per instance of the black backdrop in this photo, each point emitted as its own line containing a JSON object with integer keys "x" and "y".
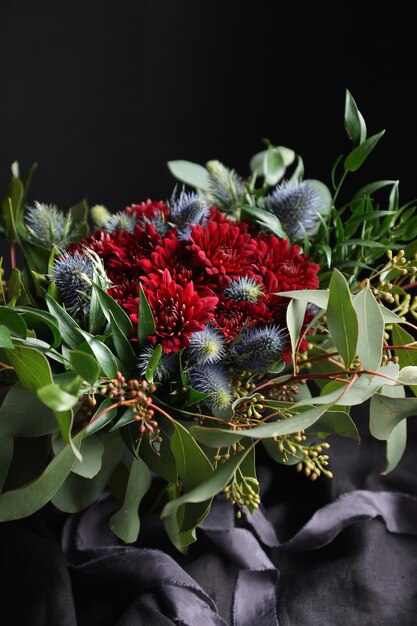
{"x": 101, "y": 93}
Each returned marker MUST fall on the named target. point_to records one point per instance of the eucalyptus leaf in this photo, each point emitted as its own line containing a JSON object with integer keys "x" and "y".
{"x": 146, "y": 322}
{"x": 190, "y": 173}
{"x": 342, "y": 320}
{"x": 371, "y": 329}
{"x": 125, "y": 523}
{"x": 24, "y": 501}
{"x": 85, "y": 365}
{"x": 295, "y": 319}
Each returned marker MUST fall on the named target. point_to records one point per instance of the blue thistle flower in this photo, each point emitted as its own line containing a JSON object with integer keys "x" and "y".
{"x": 159, "y": 222}
{"x": 258, "y": 348}
{"x": 167, "y": 366}
{"x": 120, "y": 221}
{"x": 212, "y": 379}
{"x": 189, "y": 210}
{"x": 73, "y": 274}
{"x": 296, "y": 205}
{"x": 244, "y": 288}
{"x": 45, "y": 225}
{"x": 206, "y": 346}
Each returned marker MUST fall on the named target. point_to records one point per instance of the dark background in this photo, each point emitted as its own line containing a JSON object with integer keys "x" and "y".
{"x": 101, "y": 93}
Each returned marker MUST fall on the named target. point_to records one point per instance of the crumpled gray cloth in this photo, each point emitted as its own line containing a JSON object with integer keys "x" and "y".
{"x": 164, "y": 593}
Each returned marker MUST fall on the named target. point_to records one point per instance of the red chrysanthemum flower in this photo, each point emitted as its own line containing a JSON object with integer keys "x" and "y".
{"x": 179, "y": 311}
{"x": 220, "y": 251}
{"x": 169, "y": 254}
{"x": 148, "y": 209}
{"x": 232, "y": 316}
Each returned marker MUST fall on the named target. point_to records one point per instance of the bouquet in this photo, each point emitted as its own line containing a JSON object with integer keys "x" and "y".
{"x": 152, "y": 351}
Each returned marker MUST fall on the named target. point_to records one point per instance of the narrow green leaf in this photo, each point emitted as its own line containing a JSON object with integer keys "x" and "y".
{"x": 209, "y": 488}
{"x": 102, "y": 353}
{"x": 319, "y": 297}
{"x": 69, "y": 329}
{"x": 110, "y": 307}
{"x": 190, "y": 173}
{"x": 24, "y": 501}
{"x": 359, "y": 154}
{"x": 354, "y": 122}
{"x": 36, "y": 320}
{"x": 122, "y": 344}
{"x": 153, "y": 363}
{"x": 221, "y": 437}
{"x": 101, "y": 417}
{"x": 125, "y": 523}
{"x": 85, "y": 365}
{"x": 265, "y": 219}
{"x": 295, "y": 319}
{"x": 396, "y": 445}
{"x": 371, "y": 329}
{"x": 342, "y": 320}
{"x": 146, "y": 322}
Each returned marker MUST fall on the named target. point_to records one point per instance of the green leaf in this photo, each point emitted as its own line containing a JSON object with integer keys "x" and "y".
{"x": 16, "y": 289}
{"x": 56, "y": 398}
{"x": 359, "y": 154}
{"x": 273, "y": 166}
{"x": 32, "y": 367}
{"x": 396, "y": 445}
{"x": 319, "y": 297}
{"x": 13, "y": 321}
{"x": 22, "y": 414}
{"x": 221, "y": 437}
{"x": 209, "y": 488}
{"x": 110, "y": 308}
{"x": 127, "y": 418}
{"x": 371, "y": 329}
{"x": 77, "y": 492}
{"x": 192, "y": 464}
{"x": 295, "y": 319}
{"x": 125, "y": 523}
{"x": 85, "y": 365}
{"x": 69, "y": 329}
{"x": 190, "y": 173}
{"x": 122, "y": 345}
{"x": 5, "y": 338}
{"x": 101, "y": 417}
{"x": 335, "y": 423}
{"x": 390, "y": 317}
{"x": 401, "y": 337}
{"x": 386, "y": 413}
{"x": 37, "y": 320}
{"x": 342, "y": 320}
{"x": 92, "y": 451}
{"x": 146, "y": 322}
{"x": 102, "y": 353}
{"x": 153, "y": 363}
{"x": 265, "y": 219}
{"x": 24, "y": 501}
{"x": 354, "y": 122}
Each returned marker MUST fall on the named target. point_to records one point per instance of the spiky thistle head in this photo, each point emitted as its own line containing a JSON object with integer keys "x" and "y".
{"x": 159, "y": 222}
{"x": 206, "y": 346}
{"x": 189, "y": 210}
{"x": 226, "y": 186}
{"x": 100, "y": 215}
{"x": 214, "y": 380}
{"x": 45, "y": 225}
{"x": 258, "y": 348}
{"x": 73, "y": 274}
{"x": 120, "y": 221}
{"x": 244, "y": 289}
{"x": 296, "y": 205}
{"x": 167, "y": 366}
